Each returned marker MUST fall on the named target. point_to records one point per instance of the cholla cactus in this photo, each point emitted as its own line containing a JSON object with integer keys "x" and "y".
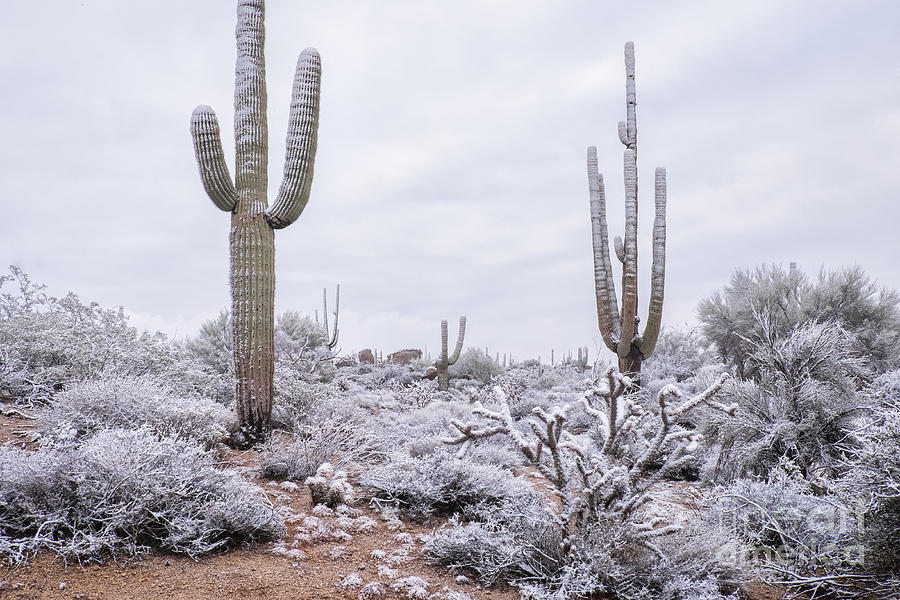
{"x": 612, "y": 481}
{"x": 253, "y": 221}
{"x": 620, "y": 330}
{"x": 329, "y": 487}
{"x": 443, "y": 364}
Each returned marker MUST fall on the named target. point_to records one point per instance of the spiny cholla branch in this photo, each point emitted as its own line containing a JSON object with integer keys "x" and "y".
{"x": 596, "y": 484}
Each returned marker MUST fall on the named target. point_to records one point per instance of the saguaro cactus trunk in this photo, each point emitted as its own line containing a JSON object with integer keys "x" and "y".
{"x": 620, "y": 329}
{"x": 253, "y": 221}
{"x": 443, "y": 364}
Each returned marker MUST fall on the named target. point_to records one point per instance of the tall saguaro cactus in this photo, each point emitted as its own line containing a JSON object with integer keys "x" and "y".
{"x": 253, "y": 221}
{"x": 443, "y": 364}
{"x": 620, "y": 330}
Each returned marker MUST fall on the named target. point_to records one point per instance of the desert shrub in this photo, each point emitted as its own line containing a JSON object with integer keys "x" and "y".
{"x": 518, "y": 543}
{"x": 815, "y": 544}
{"x": 126, "y": 402}
{"x": 475, "y": 365}
{"x": 296, "y": 397}
{"x": 872, "y": 480}
{"x": 125, "y": 492}
{"x": 441, "y": 484}
{"x": 50, "y": 342}
{"x": 849, "y": 298}
{"x": 802, "y": 404}
{"x": 336, "y": 441}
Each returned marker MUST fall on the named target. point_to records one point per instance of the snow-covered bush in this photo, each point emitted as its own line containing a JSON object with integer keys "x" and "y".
{"x": 872, "y": 480}
{"x": 802, "y": 404}
{"x": 296, "y": 398}
{"x": 124, "y": 492}
{"x": 521, "y": 545}
{"x": 847, "y": 297}
{"x": 126, "y": 402}
{"x": 473, "y": 364}
{"x": 440, "y": 483}
{"x": 329, "y": 487}
{"x": 816, "y": 544}
{"x": 50, "y": 342}
{"x": 337, "y": 441}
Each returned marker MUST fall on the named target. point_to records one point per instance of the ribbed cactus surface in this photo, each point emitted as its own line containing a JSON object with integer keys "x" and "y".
{"x": 443, "y": 364}
{"x": 253, "y": 221}
{"x": 620, "y": 330}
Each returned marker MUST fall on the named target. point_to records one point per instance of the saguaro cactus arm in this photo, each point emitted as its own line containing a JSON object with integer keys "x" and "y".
{"x": 332, "y": 339}
{"x": 459, "y": 339}
{"x": 302, "y": 139}
{"x": 211, "y": 159}
{"x": 604, "y": 284}
{"x": 658, "y": 276}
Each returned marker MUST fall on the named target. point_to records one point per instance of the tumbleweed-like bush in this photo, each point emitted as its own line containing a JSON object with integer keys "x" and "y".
{"x": 343, "y": 443}
{"x": 123, "y": 493}
{"x": 126, "y": 402}
{"x": 441, "y": 484}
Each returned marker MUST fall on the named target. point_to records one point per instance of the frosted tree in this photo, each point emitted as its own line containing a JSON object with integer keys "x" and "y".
{"x": 253, "y": 221}
{"x": 620, "y": 330}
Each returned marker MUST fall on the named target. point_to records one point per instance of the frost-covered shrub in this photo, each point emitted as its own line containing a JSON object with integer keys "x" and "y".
{"x": 847, "y": 297}
{"x": 124, "y": 492}
{"x": 475, "y": 365}
{"x": 803, "y": 403}
{"x": 814, "y": 543}
{"x": 521, "y": 545}
{"x": 872, "y": 480}
{"x": 296, "y": 398}
{"x": 50, "y": 342}
{"x": 329, "y": 487}
{"x": 125, "y": 402}
{"x": 337, "y": 441}
{"x": 442, "y": 484}
{"x": 785, "y": 525}
{"x": 606, "y": 481}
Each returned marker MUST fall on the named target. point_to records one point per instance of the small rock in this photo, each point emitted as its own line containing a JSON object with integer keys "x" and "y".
{"x": 463, "y": 580}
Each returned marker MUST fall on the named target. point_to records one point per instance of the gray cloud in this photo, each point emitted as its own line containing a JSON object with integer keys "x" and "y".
{"x": 450, "y": 176}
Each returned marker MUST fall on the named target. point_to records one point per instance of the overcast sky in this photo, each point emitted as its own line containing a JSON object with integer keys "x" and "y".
{"x": 450, "y": 176}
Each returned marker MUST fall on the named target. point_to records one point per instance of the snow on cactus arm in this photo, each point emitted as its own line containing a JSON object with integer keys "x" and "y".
{"x": 211, "y": 160}
{"x": 604, "y": 284}
{"x": 302, "y": 139}
{"x": 658, "y": 275}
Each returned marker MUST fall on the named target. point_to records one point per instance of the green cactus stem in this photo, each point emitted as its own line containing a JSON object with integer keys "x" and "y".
{"x": 443, "y": 364}
{"x": 620, "y": 330}
{"x": 253, "y": 221}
